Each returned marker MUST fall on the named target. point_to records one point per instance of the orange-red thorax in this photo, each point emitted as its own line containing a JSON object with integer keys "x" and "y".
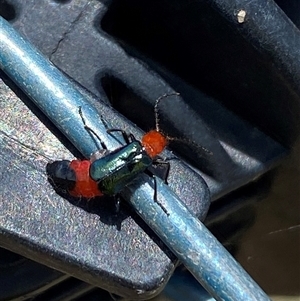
{"x": 154, "y": 143}
{"x": 85, "y": 186}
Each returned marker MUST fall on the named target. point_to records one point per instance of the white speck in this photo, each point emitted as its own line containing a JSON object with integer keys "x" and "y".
{"x": 241, "y": 16}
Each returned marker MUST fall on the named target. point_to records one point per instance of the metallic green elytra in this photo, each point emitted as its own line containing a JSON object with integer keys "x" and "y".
{"x": 117, "y": 169}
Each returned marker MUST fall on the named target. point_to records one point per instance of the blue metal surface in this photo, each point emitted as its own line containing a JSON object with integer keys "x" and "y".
{"x": 193, "y": 244}
{"x": 190, "y": 241}
{"x": 50, "y": 90}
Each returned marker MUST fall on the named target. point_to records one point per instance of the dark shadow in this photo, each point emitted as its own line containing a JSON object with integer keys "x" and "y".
{"x": 195, "y": 42}
{"x": 105, "y": 208}
{"x": 7, "y": 10}
{"x": 62, "y": 1}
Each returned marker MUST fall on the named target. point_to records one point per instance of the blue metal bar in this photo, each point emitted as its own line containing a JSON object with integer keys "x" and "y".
{"x": 50, "y": 90}
{"x": 188, "y": 238}
{"x": 193, "y": 244}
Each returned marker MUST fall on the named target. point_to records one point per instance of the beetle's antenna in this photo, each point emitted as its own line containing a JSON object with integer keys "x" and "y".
{"x": 190, "y": 142}
{"x": 157, "y": 128}
{"x": 90, "y": 130}
{"x": 156, "y": 114}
